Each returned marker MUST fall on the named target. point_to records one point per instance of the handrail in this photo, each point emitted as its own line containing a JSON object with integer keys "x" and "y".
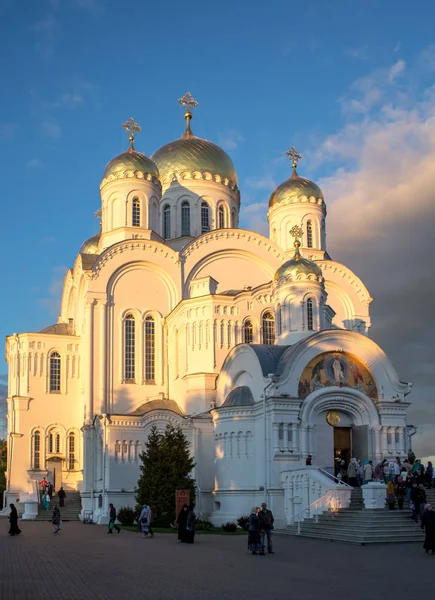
{"x": 307, "y": 508}
{"x": 340, "y": 482}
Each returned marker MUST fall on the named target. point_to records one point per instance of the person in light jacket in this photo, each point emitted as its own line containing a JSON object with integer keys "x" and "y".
{"x": 368, "y": 472}
{"x": 145, "y": 520}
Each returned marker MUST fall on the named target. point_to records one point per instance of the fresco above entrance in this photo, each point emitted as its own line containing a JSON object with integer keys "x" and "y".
{"x": 336, "y": 369}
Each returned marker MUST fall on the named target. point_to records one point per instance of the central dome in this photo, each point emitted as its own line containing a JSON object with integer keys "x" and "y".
{"x": 191, "y": 153}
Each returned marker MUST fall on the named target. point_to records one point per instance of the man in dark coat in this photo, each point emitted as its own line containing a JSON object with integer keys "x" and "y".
{"x": 112, "y": 519}
{"x": 428, "y": 524}
{"x": 266, "y": 520}
{"x": 62, "y": 496}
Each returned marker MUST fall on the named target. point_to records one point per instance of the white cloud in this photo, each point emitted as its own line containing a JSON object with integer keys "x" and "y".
{"x": 396, "y": 70}
{"x": 261, "y": 183}
{"x": 34, "y": 163}
{"x": 360, "y": 53}
{"x": 427, "y": 58}
{"x": 230, "y": 139}
{"x": 51, "y": 128}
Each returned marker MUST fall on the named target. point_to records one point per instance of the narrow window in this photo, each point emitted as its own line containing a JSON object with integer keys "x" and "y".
{"x": 129, "y": 348}
{"x": 36, "y": 450}
{"x": 310, "y": 314}
{"x": 268, "y": 328}
{"x": 233, "y": 218}
{"x": 50, "y": 443}
{"x": 71, "y": 451}
{"x": 221, "y": 217}
{"x": 248, "y": 332}
{"x": 55, "y": 372}
{"x": 309, "y": 234}
{"x": 205, "y": 218}
{"x": 150, "y": 350}
{"x": 278, "y": 319}
{"x": 57, "y": 443}
{"x": 185, "y": 218}
{"x": 136, "y": 213}
{"x": 167, "y": 222}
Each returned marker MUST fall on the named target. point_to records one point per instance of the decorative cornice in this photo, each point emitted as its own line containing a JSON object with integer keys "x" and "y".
{"x": 130, "y": 174}
{"x": 345, "y": 273}
{"x": 205, "y": 175}
{"x": 297, "y": 200}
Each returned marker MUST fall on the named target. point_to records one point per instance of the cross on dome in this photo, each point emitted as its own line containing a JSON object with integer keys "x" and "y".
{"x": 297, "y": 232}
{"x": 189, "y": 102}
{"x": 294, "y": 156}
{"x": 132, "y": 128}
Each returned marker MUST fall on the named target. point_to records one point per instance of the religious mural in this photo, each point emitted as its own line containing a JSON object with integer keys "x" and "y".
{"x": 335, "y": 368}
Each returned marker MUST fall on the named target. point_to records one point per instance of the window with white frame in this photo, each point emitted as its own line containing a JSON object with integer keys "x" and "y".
{"x": 221, "y": 217}
{"x": 310, "y": 314}
{"x": 248, "y": 332}
{"x": 167, "y": 221}
{"x": 36, "y": 450}
{"x": 150, "y": 350}
{"x": 309, "y": 234}
{"x": 55, "y": 370}
{"x": 136, "y": 213}
{"x": 71, "y": 451}
{"x": 279, "y": 319}
{"x": 185, "y": 218}
{"x": 129, "y": 347}
{"x": 205, "y": 217}
{"x": 268, "y": 328}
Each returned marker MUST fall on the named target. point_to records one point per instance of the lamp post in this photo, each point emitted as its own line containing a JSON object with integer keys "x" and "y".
{"x": 272, "y": 379}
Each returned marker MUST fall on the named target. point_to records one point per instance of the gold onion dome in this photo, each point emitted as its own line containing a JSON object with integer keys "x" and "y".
{"x": 131, "y": 161}
{"x": 91, "y": 245}
{"x": 297, "y": 266}
{"x": 182, "y": 157}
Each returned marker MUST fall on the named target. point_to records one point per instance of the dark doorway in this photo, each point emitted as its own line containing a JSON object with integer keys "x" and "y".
{"x": 342, "y": 447}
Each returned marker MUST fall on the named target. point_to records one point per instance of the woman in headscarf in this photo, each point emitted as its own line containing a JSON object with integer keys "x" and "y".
{"x": 13, "y": 520}
{"x": 428, "y": 524}
{"x": 254, "y": 532}
{"x": 190, "y": 525}
{"x": 145, "y": 520}
{"x": 46, "y": 500}
{"x": 391, "y": 494}
{"x": 182, "y": 523}
{"x": 56, "y": 520}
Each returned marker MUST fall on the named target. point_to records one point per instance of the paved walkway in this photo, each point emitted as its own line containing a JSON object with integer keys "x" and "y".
{"x": 83, "y": 562}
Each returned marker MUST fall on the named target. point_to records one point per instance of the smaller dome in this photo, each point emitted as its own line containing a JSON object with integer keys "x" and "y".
{"x": 294, "y": 188}
{"x": 131, "y": 161}
{"x": 298, "y": 266}
{"x": 91, "y": 245}
{"x": 239, "y": 396}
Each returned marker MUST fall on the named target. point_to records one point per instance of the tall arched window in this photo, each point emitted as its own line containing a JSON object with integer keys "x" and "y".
{"x": 248, "y": 332}
{"x": 309, "y": 234}
{"x": 233, "y": 218}
{"x": 55, "y": 372}
{"x": 221, "y": 218}
{"x": 310, "y": 314}
{"x": 268, "y": 328}
{"x": 71, "y": 451}
{"x": 205, "y": 217}
{"x": 129, "y": 347}
{"x": 37, "y": 450}
{"x": 167, "y": 222}
{"x": 136, "y": 213}
{"x": 50, "y": 443}
{"x": 279, "y": 319}
{"x": 185, "y": 218}
{"x": 150, "y": 350}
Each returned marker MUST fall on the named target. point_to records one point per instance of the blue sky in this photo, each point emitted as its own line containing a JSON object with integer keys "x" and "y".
{"x": 349, "y": 83}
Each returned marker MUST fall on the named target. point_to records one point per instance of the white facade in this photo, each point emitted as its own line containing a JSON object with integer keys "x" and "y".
{"x": 154, "y": 319}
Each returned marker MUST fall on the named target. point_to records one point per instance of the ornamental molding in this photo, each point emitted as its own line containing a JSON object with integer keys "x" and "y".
{"x": 131, "y": 174}
{"x": 300, "y": 277}
{"x": 197, "y": 175}
{"x": 234, "y": 234}
{"x": 351, "y": 278}
{"x": 297, "y": 200}
{"x": 130, "y": 246}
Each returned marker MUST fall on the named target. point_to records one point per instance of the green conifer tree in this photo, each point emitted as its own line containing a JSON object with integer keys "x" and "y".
{"x": 166, "y": 467}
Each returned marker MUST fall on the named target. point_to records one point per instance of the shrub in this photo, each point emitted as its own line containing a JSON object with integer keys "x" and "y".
{"x": 126, "y": 515}
{"x": 229, "y": 527}
{"x": 243, "y": 523}
{"x": 203, "y": 525}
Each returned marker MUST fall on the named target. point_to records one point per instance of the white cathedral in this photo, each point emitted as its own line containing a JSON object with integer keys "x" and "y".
{"x": 257, "y": 347}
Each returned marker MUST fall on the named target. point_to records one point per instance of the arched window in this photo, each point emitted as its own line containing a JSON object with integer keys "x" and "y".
{"x": 57, "y": 446}
{"x": 167, "y": 222}
{"x": 185, "y": 218}
{"x": 310, "y": 314}
{"x": 278, "y": 319}
{"x": 55, "y": 372}
{"x": 37, "y": 450}
{"x": 233, "y": 218}
{"x": 150, "y": 350}
{"x": 50, "y": 443}
{"x": 129, "y": 347}
{"x": 309, "y": 234}
{"x": 268, "y": 328}
{"x": 248, "y": 332}
{"x": 136, "y": 213}
{"x": 221, "y": 217}
{"x": 205, "y": 217}
{"x": 71, "y": 451}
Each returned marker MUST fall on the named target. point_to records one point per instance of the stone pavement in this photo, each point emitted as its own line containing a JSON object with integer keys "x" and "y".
{"x": 83, "y": 562}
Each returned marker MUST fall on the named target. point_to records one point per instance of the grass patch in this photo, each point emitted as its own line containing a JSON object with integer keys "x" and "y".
{"x": 214, "y": 531}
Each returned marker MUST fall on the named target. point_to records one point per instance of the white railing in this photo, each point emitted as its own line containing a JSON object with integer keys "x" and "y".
{"x": 339, "y": 481}
{"x": 331, "y": 501}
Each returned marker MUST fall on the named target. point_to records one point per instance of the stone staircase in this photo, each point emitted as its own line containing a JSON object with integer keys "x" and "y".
{"x": 69, "y": 512}
{"x": 356, "y": 525}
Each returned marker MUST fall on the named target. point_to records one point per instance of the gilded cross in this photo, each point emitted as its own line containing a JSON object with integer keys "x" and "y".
{"x": 188, "y": 101}
{"x": 98, "y": 213}
{"x": 296, "y": 232}
{"x": 132, "y": 128}
{"x": 293, "y": 156}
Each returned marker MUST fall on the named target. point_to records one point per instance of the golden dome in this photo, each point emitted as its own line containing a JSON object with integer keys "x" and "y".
{"x": 91, "y": 245}
{"x": 295, "y": 188}
{"x": 191, "y": 153}
{"x": 130, "y": 161}
{"x": 297, "y": 266}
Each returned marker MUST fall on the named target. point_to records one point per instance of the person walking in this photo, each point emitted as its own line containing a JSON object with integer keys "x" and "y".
{"x": 50, "y": 490}
{"x": 428, "y": 476}
{"x": 351, "y": 473}
{"x": 309, "y": 460}
{"x": 56, "y": 520}
{"x": 255, "y": 544}
{"x": 13, "y": 521}
{"x": 145, "y": 520}
{"x": 368, "y": 471}
{"x": 62, "y": 495}
{"x": 182, "y": 522}
{"x": 112, "y": 519}
{"x": 415, "y": 502}
{"x": 401, "y": 492}
{"x": 266, "y": 520}
{"x": 46, "y": 500}
{"x": 428, "y": 525}
{"x": 391, "y": 494}
{"x": 190, "y": 526}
